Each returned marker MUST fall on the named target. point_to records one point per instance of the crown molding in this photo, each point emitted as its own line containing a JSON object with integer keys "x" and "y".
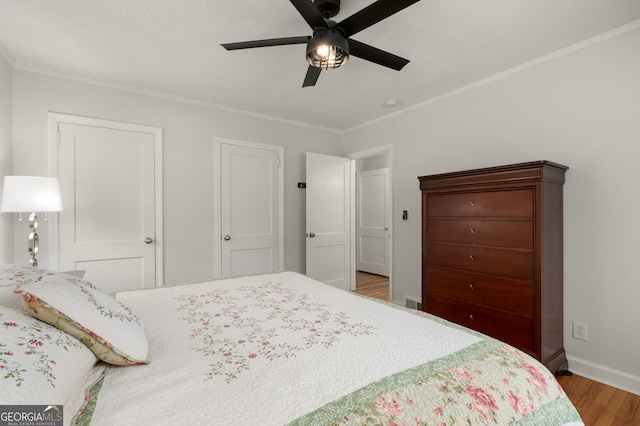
{"x": 167, "y": 96}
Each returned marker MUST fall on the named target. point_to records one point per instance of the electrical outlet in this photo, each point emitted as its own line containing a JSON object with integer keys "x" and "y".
{"x": 579, "y": 330}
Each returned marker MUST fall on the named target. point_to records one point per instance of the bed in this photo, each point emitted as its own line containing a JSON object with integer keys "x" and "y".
{"x": 269, "y": 349}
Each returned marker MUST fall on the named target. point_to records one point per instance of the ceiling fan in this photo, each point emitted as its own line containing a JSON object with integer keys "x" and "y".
{"x": 331, "y": 42}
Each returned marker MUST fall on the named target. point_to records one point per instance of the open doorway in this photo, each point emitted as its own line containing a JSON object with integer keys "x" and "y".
{"x": 373, "y": 224}
{"x": 372, "y": 285}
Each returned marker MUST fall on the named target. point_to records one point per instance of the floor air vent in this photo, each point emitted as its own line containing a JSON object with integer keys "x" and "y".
{"x": 413, "y": 304}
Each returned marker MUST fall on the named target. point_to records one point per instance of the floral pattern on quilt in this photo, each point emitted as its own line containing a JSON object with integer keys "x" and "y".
{"x": 279, "y": 321}
{"x": 12, "y": 276}
{"x": 96, "y": 297}
{"x": 500, "y": 387}
{"x": 30, "y": 349}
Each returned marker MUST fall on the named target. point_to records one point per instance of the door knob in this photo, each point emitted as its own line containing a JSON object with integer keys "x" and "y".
{"x": 311, "y": 234}
{"x": 148, "y": 240}
{"x": 227, "y": 237}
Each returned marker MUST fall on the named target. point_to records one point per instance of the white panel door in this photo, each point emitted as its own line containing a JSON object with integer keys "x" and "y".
{"x": 250, "y": 210}
{"x": 373, "y": 219}
{"x": 108, "y": 228}
{"x": 329, "y": 220}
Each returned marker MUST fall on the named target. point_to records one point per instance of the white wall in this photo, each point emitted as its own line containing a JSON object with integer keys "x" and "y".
{"x": 6, "y": 219}
{"x": 581, "y": 109}
{"x": 188, "y": 134}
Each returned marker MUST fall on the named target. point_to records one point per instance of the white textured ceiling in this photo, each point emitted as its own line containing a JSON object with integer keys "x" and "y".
{"x": 173, "y": 47}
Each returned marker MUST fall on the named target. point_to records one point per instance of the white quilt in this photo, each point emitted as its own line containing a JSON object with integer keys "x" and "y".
{"x": 264, "y": 349}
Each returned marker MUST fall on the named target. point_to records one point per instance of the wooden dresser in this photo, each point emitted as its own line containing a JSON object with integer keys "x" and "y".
{"x": 492, "y": 254}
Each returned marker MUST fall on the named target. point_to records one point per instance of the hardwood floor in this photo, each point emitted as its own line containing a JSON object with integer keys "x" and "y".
{"x": 597, "y": 403}
{"x": 371, "y": 285}
{"x": 601, "y": 405}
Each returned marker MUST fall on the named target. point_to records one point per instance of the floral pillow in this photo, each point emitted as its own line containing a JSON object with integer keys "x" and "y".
{"x": 111, "y": 330}
{"x": 12, "y": 276}
{"x": 39, "y": 364}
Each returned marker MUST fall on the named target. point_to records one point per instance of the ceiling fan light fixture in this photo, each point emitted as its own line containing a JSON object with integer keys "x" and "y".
{"x": 327, "y": 50}
{"x": 331, "y": 44}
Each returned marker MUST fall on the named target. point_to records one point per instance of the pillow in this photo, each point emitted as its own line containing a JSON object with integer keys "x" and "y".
{"x": 39, "y": 364}
{"x": 111, "y": 330}
{"x": 15, "y": 275}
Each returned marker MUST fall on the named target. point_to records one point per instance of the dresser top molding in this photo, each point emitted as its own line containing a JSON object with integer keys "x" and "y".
{"x": 545, "y": 171}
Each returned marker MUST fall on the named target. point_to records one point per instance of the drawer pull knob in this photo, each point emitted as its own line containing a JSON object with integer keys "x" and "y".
{"x": 472, "y": 203}
{"x": 472, "y": 317}
{"x": 472, "y": 230}
{"x": 472, "y": 286}
{"x": 472, "y": 257}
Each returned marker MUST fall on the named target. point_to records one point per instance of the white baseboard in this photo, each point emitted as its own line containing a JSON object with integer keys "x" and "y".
{"x": 608, "y": 376}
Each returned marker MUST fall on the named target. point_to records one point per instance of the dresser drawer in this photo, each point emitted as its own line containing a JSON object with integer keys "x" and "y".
{"x": 516, "y": 331}
{"x": 503, "y": 233}
{"x": 511, "y": 295}
{"x": 508, "y": 204}
{"x": 507, "y": 263}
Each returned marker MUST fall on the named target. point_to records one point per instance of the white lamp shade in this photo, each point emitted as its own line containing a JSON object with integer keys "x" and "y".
{"x": 31, "y": 194}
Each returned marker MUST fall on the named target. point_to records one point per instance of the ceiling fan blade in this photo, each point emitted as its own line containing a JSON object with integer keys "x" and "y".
{"x": 373, "y": 14}
{"x": 310, "y": 13}
{"x": 265, "y": 43}
{"x": 373, "y": 54}
{"x": 312, "y": 76}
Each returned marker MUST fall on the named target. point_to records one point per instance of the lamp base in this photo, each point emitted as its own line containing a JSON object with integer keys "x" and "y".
{"x": 33, "y": 239}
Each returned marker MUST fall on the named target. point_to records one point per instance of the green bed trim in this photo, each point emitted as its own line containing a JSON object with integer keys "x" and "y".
{"x": 84, "y": 418}
{"x": 559, "y": 410}
{"x": 336, "y": 410}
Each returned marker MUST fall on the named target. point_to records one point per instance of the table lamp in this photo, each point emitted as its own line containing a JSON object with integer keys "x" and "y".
{"x": 31, "y": 194}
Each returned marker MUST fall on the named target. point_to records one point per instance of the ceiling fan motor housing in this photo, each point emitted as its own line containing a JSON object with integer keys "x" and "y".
{"x": 328, "y": 8}
{"x": 328, "y": 49}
